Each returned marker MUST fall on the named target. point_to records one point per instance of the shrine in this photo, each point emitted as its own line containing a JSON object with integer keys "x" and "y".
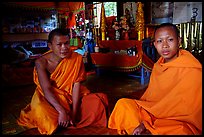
{"x": 115, "y": 41}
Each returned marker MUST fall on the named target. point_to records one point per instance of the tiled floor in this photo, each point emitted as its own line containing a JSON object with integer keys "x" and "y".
{"x": 115, "y": 85}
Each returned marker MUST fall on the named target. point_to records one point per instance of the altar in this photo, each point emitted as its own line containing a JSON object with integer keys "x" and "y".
{"x": 122, "y": 61}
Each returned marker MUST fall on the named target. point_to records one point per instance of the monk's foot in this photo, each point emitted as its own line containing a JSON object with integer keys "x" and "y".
{"x": 146, "y": 132}
{"x": 72, "y": 127}
{"x": 139, "y": 130}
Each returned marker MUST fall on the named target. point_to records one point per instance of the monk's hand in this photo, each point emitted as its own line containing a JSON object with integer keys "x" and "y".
{"x": 138, "y": 130}
{"x": 64, "y": 119}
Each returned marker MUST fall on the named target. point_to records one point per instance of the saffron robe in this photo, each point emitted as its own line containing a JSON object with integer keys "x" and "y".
{"x": 42, "y": 115}
{"x": 171, "y": 104}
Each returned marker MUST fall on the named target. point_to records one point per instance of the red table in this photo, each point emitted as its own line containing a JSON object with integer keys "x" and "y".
{"x": 124, "y": 63}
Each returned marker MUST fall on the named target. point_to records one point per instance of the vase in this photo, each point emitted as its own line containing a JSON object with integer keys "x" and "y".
{"x": 117, "y": 35}
{"x": 96, "y": 48}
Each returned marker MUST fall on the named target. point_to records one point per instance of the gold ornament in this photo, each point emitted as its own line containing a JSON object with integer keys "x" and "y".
{"x": 103, "y": 23}
{"x": 140, "y": 21}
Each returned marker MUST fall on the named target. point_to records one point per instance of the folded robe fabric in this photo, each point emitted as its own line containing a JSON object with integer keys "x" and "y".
{"x": 42, "y": 115}
{"x": 172, "y": 103}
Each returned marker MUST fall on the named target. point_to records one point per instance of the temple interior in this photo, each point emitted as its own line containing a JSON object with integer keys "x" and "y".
{"x": 114, "y": 38}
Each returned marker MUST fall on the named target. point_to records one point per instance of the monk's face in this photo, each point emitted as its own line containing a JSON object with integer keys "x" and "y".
{"x": 60, "y": 46}
{"x": 167, "y": 43}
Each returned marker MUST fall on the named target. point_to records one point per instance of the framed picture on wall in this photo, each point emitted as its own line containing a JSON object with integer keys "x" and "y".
{"x": 185, "y": 11}
{"x": 162, "y": 12}
{"x": 129, "y": 10}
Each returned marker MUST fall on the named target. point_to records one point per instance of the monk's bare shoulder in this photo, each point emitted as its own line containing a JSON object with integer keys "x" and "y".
{"x": 41, "y": 62}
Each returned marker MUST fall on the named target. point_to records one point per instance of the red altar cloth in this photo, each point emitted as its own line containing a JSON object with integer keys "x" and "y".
{"x": 115, "y": 61}
{"x": 120, "y": 44}
{"x": 120, "y": 62}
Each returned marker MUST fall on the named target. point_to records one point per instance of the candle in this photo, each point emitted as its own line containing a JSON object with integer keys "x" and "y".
{"x": 200, "y": 36}
{"x": 184, "y": 35}
{"x": 98, "y": 32}
{"x": 196, "y": 25}
{"x": 180, "y": 30}
{"x": 201, "y": 28}
{"x": 95, "y": 32}
{"x": 187, "y": 29}
{"x": 192, "y": 30}
{"x": 146, "y": 31}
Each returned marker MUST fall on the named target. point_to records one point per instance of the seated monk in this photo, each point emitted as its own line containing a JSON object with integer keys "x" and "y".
{"x": 59, "y": 99}
{"x": 172, "y": 102}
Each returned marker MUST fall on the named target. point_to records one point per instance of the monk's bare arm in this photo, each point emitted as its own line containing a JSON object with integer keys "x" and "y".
{"x": 48, "y": 91}
{"x": 46, "y": 85}
{"x": 75, "y": 98}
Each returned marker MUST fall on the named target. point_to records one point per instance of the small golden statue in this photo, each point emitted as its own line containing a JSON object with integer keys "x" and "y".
{"x": 140, "y": 21}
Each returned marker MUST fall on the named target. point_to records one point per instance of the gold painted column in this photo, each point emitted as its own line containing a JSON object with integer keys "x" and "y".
{"x": 140, "y": 21}
{"x": 103, "y": 23}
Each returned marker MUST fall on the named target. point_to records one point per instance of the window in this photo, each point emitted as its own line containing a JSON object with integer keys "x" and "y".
{"x": 110, "y": 10}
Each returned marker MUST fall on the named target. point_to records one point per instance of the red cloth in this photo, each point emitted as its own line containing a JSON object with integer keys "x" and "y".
{"x": 121, "y": 62}
{"x": 114, "y": 61}
{"x": 71, "y": 21}
{"x": 120, "y": 44}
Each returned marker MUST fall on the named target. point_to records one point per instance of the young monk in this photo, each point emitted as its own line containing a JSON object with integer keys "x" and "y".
{"x": 172, "y": 103}
{"x": 59, "y": 99}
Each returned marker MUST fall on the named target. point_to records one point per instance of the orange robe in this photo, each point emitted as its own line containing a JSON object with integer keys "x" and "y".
{"x": 172, "y": 103}
{"x": 40, "y": 114}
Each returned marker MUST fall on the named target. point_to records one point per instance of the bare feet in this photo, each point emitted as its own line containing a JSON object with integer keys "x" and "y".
{"x": 139, "y": 130}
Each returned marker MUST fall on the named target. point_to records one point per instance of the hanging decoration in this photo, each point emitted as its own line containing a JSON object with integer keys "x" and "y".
{"x": 47, "y": 8}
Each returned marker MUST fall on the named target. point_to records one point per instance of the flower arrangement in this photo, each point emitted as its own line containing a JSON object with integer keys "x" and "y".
{"x": 123, "y": 23}
{"x": 121, "y": 27}
{"x": 116, "y": 25}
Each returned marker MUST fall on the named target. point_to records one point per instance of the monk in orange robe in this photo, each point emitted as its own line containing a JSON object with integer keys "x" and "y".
{"x": 172, "y": 102}
{"x": 60, "y": 100}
